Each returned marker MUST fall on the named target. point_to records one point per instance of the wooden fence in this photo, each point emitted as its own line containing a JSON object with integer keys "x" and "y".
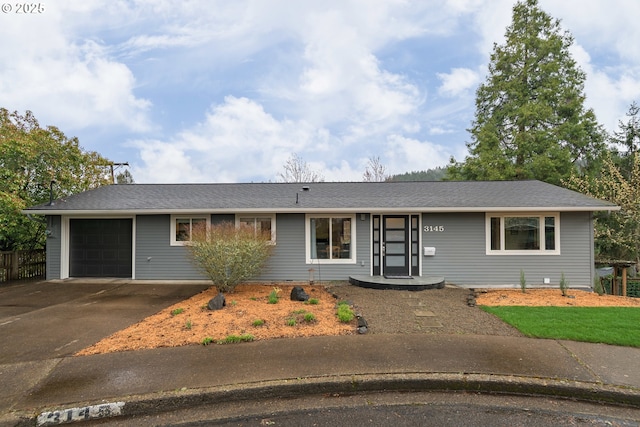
{"x": 22, "y": 265}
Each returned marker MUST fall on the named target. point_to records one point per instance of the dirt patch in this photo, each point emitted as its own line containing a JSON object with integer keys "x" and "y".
{"x": 191, "y": 321}
{"x": 432, "y": 311}
{"x": 553, "y": 297}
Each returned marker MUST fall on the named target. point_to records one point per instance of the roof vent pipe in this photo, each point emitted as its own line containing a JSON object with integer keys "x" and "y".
{"x": 51, "y": 192}
{"x": 305, "y": 188}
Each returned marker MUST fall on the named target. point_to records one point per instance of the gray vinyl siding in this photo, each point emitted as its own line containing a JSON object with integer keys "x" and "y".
{"x": 155, "y": 258}
{"x": 288, "y": 261}
{"x": 54, "y": 247}
{"x": 461, "y": 253}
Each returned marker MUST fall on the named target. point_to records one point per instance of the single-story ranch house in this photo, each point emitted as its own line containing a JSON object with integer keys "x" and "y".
{"x": 470, "y": 233}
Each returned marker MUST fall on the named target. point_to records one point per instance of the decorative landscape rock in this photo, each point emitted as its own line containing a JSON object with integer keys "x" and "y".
{"x": 361, "y": 322}
{"x": 363, "y": 326}
{"x": 471, "y": 298}
{"x": 217, "y": 302}
{"x": 298, "y": 294}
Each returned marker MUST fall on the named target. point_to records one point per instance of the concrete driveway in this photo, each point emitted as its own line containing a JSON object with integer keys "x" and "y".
{"x": 46, "y": 320}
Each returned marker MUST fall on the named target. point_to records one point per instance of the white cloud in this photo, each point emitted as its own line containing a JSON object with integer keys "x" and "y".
{"x": 458, "y": 82}
{"x": 66, "y": 82}
{"x": 608, "y": 27}
{"x": 334, "y": 81}
{"x": 237, "y": 141}
{"x": 407, "y": 154}
{"x": 341, "y": 80}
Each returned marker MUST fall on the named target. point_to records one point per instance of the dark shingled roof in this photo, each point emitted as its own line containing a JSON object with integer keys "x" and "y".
{"x": 340, "y": 196}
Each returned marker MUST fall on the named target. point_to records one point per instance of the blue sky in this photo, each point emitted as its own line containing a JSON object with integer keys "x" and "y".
{"x": 227, "y": 91}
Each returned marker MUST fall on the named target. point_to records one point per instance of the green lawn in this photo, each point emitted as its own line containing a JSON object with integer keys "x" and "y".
{"x": 609, "y": 325}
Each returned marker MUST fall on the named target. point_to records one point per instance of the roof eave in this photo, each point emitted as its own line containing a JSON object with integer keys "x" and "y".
{"x": 443, "y": 209}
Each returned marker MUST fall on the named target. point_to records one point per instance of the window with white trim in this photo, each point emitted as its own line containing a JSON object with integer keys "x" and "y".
{"x": 330, "y": 239}
{"x": 523, "y": 234}
{"x": 182, "y": 227}
{"x": 262, "y": 225}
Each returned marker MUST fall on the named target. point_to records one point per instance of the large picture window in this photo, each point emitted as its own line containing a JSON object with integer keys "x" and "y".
{"x": 264, "y": 226}
{"x": 182, "y": 228}
{"x": 330, "y": 239}
{"x": 523, "y": 234}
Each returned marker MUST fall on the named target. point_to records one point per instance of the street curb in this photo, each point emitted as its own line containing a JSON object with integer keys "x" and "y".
{"x": 155, "y": 403}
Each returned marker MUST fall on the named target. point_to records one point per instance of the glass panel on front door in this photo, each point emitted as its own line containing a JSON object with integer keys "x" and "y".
{"x": 395, "y": 244}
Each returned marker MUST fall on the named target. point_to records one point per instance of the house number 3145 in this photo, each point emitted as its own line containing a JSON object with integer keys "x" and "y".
{"x": 433, "y": 228}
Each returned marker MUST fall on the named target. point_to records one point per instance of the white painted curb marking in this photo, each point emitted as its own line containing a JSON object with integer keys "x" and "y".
{"x": 64, "y": 416}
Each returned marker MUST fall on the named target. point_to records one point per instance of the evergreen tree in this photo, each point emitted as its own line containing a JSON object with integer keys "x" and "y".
{"x": 435, "y": 174}
{"x": 626, "y": 141}
{"x": 530, "y": 120}
{"x": 617, "y": 233}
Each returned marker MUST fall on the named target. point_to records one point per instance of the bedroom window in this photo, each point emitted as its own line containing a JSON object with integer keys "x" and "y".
{"x": 526, "y": 234}
{"x": 182, "y": 228}
{"x": 329, "y": 239}
{"x": 261, "y": 225}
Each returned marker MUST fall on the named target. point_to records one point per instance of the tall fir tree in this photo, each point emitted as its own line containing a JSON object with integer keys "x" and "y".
{"x": 626, "y": 140}
{"x": 530, "y": 120}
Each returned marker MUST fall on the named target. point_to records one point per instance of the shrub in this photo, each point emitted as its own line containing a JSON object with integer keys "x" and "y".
{"x": 312, "y": 301}
{"x": 564, "y": 285}
{"x": 273, "y": 296}
{"x": 523, "y": 282}
{"x": 345, "y": 314}
{"x": 309, "y": 317}
{"x": 228, "y": 255}
{"x": 207, "y": 340}
{"x": 177, "y": 311}
{"x": 291, "y": 322}
{"x": 258, "y": 322}
{"x": 597, "y": 286}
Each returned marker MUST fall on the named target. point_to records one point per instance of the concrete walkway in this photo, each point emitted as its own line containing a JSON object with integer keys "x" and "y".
{"x": 60, "y": 387}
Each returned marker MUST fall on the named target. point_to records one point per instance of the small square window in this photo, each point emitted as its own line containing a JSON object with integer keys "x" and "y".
{"x": 182, "y": 228}
{"x": 261, "y": 225}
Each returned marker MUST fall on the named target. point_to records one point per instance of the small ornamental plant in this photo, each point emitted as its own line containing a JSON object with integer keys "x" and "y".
{"x": 274, "y": 296}
{"x": 597, "y": 286}
{"x": 523, "y": 282}
{"x": 564, "y": 285}
{"x": 345, "y": 314}
{"x": 233, "y": 339}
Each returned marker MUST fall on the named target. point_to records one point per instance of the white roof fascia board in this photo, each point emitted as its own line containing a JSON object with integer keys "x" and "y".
{"x": 109, "y": 212}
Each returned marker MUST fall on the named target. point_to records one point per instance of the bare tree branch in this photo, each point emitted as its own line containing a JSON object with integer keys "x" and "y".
{"x": 375, "y": 171}
{"x": 297, "y": 170}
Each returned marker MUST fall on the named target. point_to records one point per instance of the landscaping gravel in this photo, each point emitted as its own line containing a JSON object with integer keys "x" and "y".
{"x": 431, "y": 311}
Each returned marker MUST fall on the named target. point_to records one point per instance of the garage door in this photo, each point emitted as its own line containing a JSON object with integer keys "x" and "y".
{"x": 100, "y": 247}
